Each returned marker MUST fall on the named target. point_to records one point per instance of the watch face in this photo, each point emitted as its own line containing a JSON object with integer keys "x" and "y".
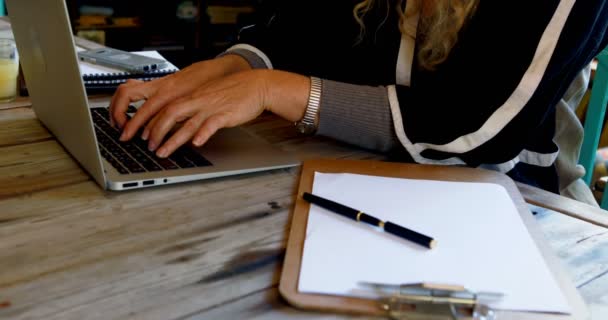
{"x": 305, "y": 128}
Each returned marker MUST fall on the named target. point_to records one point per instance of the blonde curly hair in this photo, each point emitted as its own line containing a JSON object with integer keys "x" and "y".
{"x": 438, "y": 27}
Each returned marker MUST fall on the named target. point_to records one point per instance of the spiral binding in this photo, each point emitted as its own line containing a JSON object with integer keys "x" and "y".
{"x": 108, "y": 82}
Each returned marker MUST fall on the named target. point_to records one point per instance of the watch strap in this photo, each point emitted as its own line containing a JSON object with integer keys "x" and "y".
{"x": 309, "y": 122}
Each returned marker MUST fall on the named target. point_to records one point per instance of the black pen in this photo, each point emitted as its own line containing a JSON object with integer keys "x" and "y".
{"x": 360, "y": 216}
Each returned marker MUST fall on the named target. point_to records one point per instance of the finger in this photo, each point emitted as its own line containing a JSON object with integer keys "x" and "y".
{"x": 167, "y": 120}
{"x": 148, "y": 110}
{"x": 125, "y": 94}
{"x": 183, "y": 135}
{"x": 146, "y": 132}
{"x": 149, "y": 127}
{"x": 112, "y": 101}
{"x": 210, "y": 127}
{"x": 143, "y": 114}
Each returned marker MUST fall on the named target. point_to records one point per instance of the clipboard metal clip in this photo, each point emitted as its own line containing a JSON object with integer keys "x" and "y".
{"x": 434, "y": 301}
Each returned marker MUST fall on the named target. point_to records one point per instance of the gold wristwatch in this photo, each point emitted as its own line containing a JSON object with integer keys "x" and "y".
{"x": 308, "y": 124}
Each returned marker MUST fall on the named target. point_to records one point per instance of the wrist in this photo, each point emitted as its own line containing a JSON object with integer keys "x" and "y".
{"x": 233, "y": 63}
{"x": 285, "y": 94}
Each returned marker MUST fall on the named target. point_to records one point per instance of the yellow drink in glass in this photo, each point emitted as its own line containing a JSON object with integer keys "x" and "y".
{"x": 9, "y": 70}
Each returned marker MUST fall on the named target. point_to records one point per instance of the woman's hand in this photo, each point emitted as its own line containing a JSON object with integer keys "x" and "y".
{"x": 160, "y": 92}
{"x": 224, "y": 102}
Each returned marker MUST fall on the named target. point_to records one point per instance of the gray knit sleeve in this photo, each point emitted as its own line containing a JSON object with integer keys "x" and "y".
{"x": 358, "y": 115}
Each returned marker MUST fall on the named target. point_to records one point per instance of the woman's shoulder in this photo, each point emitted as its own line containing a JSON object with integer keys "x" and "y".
{"x": 523, "y": 23}
{"x": 541, "y": 9}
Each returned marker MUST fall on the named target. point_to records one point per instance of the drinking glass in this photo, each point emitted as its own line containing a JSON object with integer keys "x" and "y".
{"x": 9, "y": 70}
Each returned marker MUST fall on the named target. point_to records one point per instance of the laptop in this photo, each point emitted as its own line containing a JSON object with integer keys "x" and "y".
{"x": 48, "y": 58}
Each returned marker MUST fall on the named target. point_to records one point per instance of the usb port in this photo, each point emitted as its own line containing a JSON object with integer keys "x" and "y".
{"x": 129, "y": 185}
{"x": 148, "y": 183}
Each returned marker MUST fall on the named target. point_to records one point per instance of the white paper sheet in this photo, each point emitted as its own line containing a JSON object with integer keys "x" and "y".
{"x": 482, "y": 243}
{"x": 90, "y": 68}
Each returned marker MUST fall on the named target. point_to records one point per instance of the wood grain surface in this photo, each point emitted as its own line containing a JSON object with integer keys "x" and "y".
{"x": 203, "y": 250}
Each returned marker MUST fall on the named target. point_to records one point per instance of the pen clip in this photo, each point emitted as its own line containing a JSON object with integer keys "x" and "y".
{"x": 433, "y": 301}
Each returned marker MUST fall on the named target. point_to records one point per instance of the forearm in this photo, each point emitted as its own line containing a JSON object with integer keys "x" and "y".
{"x": 359, "y": 115}
{"x": 286, "y": 93}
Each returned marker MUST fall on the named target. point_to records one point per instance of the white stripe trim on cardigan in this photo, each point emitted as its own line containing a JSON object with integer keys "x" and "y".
{"x": 405, "y": 59}
{"x": 393, "y": 101}
{"x": 526, "y": 156}
{"x": 514, "y": 104}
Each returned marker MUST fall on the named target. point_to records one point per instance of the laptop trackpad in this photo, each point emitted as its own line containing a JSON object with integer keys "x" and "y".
{"x": 234, "y": 146}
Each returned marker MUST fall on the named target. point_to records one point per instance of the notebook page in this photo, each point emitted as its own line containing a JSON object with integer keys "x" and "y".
{"x": 482, "y": 243}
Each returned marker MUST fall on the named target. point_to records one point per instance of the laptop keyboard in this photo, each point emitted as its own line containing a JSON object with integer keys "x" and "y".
{"x": 133, "y": 156}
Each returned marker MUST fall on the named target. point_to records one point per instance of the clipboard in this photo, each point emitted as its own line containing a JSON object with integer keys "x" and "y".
{"x": 288, "y": 286}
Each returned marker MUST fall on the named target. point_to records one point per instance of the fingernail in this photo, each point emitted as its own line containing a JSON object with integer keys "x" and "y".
{"x": 152, "y": 146}
{"x": 145, "y": 134}
{"x": 123, "y": 137}
{"x": 197, "y": 142}
{"x": 162, "y": 153}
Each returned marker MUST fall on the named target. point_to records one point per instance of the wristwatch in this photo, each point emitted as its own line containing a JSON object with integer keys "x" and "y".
{"x": 308, "y": 124}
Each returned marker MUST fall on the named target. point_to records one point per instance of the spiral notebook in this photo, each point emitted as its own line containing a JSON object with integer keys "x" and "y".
{"x": 99, "y": 79}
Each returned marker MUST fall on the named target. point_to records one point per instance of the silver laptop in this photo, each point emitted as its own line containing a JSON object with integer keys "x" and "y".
{"x": 48, "y": 57}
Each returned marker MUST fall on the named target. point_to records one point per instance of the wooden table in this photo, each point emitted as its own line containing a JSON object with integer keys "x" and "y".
{"x": 204, "y": 250}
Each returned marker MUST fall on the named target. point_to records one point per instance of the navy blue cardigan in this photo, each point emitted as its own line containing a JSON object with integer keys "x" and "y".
{"x": 491, "y": 104}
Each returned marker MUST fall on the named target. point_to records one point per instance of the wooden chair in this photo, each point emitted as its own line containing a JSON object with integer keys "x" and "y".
{"x": 594, "y": 120}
